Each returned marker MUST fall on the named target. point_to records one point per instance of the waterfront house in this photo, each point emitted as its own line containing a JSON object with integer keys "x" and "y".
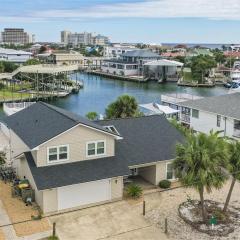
{"x": 72, "y": 162}
{"x": 129, "y": 63}
{"x": 218, "y": 113}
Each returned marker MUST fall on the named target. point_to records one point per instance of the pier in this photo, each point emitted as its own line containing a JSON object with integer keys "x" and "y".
{"x": 35, "y": 82}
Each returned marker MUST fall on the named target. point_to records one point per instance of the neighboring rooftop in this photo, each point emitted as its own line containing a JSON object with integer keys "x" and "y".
{"x": 145, "y": 53}
{"x": 13, "y": 52}
{"x": 41, "y": 122}
{"x": 225, "y": 105}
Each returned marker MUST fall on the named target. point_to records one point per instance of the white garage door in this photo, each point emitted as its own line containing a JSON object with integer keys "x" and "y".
{"x": 84, "y": 193}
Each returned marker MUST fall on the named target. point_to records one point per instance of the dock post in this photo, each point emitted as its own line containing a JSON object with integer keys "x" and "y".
{"x": 144, "y": 208}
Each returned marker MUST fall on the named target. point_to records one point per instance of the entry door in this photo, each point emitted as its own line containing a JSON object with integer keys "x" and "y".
{"x": 84, "y": 193}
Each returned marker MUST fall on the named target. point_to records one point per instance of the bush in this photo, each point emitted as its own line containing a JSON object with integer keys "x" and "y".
{"x": 165, "y": 184}
{"x": 134, "y": 191}
{"x": 53, "y": 238}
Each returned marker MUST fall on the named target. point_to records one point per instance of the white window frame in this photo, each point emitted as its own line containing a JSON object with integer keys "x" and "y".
{"x": 96, "y": 142}
{"x": 58, "y": 160}
{"x": 174, "y": 177}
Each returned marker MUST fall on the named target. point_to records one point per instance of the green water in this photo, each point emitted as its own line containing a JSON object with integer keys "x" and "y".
{"x": 98, "y": 92}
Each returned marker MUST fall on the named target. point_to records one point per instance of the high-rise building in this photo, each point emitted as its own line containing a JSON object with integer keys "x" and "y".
{"x": 64, "y": 36}
{"x": 16, "y": 36}
{"x": 83, "y": 38}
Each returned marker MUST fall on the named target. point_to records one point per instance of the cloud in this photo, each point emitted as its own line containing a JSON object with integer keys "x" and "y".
{"x": 210, "y": 9}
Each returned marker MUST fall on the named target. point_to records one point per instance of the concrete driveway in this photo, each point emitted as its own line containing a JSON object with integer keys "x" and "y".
{"x": 116, "y": 221}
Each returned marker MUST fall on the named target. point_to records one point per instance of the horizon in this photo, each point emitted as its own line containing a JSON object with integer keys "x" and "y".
{"x": 130, "y": 21}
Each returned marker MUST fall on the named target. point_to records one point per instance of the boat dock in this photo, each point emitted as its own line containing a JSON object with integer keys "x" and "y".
{"x": 119, "y": 77}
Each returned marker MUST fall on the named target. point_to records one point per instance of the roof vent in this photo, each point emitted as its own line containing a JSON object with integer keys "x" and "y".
{"x": 112, "y": 129}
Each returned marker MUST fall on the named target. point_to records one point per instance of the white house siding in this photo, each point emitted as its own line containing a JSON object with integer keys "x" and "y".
{"x": 125, "y": 72}
{"x": 148, "y": 173}
{"x": 76, "y": 138}
{"x": 161, "y": 170}
{"x": 208, "y": 121}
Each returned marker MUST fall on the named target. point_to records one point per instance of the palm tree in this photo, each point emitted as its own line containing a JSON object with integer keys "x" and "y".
{"x": 198, "y": 163}
{"x": 124, "y": 106}
{"x": 233, "y": 168}
{"x": 92, "y": 116}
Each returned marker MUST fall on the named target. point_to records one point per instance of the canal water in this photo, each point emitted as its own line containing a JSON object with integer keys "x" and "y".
{"x": 98, "y": 92}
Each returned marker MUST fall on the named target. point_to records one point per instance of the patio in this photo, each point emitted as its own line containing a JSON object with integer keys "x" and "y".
{"x": 140, "y": 181}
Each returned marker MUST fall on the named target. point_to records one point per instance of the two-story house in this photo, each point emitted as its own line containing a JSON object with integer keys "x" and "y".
{"x": 72, "y": 162}
{"x": 218, "y": 113}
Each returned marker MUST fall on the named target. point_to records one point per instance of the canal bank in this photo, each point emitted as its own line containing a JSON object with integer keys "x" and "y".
{"x": 98, "y": 92}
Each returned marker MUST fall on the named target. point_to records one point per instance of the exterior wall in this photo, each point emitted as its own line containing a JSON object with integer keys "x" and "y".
{"x": 148, "y": 173}
{"x": 161, "y": 171}
{"x": 208, "y": 121}
{"x": 76, "y": 138}
{"x": 24, "y": 170}
{"x": 50, "y": 197}
{"x": 127, "y": 72}
{"x": 116, "y": 188}
{"x": 50, "y": 201}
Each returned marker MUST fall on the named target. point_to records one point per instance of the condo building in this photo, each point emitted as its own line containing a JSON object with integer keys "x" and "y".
{"x": 83, "y": 38}
{"x": 16, "y": 36}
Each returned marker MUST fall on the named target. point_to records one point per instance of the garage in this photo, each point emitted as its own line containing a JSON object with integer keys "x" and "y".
{"x": 83, "y": 194}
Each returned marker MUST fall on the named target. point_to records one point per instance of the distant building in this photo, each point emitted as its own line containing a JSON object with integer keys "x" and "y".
{"x": 16, "y": 36}
{"x": 64, "y": 36}
{"x": 84, "y": 38}
{"x": 116, "y": 50}
{"x": 100, "y": 40}
{"x": 11, "y": 55}
{"x": 71, "y": 58}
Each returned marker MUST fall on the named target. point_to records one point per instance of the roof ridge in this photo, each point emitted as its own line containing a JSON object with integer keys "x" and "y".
{"x": 54, "y": 108}
{"x": 144, "y": 116}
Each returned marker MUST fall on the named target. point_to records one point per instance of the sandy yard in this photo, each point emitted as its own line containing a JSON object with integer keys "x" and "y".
{"x": 1, "y": 235}
{"x": 167, "y": 207}
{"x": 18, "y": 211}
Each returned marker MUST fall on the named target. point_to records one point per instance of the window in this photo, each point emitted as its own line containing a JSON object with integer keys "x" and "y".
{"x": 195, "y": 113}
{"x": 170, "y": 175}
{"x": 218, "y": 121}
{"x": 59, "y": 153}
{"x": 95, "y": 148}
{"x": 112, "y": 129}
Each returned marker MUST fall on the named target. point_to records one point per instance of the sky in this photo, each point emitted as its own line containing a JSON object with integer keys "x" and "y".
{"x": 147, "y": 21}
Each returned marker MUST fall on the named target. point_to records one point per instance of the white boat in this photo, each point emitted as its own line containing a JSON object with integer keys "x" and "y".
{"x": 11, "y": 108}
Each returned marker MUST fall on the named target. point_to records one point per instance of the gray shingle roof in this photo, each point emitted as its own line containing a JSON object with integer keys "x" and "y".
{"x": 76, "y": 172}
{"x": 40, "y": 122}
{"x": 145, "y": 140}
{"x": 141, "y": 53}
{"x": 225, "y": 105}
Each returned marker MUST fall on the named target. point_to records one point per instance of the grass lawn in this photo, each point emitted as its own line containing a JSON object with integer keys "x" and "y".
{"x": 6, "y": 94}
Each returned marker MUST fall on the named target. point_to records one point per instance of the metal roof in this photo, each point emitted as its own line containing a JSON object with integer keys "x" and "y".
{"x": 225, "y": 105}
{"x": 144, "y": 53}
{"x": 164, "y": 62}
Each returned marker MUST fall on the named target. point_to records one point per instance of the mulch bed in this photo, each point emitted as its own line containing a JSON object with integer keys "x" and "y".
{"x": 190, "y": 211}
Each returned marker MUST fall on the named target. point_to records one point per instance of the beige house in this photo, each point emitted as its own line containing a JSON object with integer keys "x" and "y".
{"x": 72, "y": 162}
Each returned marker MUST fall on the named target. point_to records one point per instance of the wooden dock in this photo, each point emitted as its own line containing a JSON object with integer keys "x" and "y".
{"x": 112, "y": 76}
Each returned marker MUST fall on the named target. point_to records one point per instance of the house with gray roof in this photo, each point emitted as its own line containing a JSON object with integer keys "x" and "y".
{"x": 217, "y": 113}
{"x": 72, "y": 162}
{"x": 129, "y": 63}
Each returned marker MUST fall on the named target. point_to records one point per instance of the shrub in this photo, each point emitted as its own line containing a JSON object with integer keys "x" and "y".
{"x": 53, "y": 238}
{"x": 164, "y": 184}
{"x": 134, "y": 191}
